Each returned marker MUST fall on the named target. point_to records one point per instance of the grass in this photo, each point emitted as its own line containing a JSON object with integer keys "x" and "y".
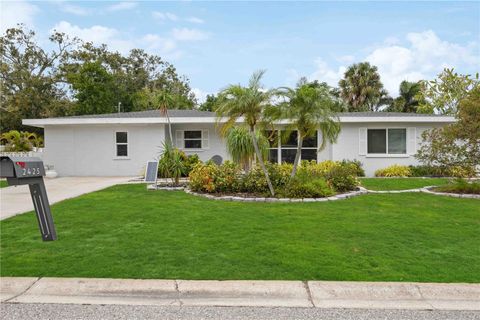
{"x": 387, "y": 184}
{"x": 3, "y": 183}
{"x": 128, "y": 232}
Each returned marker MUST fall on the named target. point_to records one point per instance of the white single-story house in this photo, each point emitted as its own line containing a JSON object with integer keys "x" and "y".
{"x": 120, "y": 144}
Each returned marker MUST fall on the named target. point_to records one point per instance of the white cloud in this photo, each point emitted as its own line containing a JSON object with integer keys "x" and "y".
{"x": 154, "y": 42}
{"x": 195, "y": 20}
{"x": 164, "y": 16}
{"x": 14, "y": 12}
{"x": 73, "y": 9}
{"x": 422, "y": 56}
{"x": 346, "y": 59}
{"x": 97, "y": 34}
{"x": 200, "y": 95}
{"x": 186, "y": 34}
{"x": 118, "y": 41}
{"x": 324, "y": 73}
{"x": 124, "y": 5}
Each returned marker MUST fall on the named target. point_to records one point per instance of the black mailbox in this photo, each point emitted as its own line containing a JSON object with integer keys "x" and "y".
{"x": 30, "y": 170}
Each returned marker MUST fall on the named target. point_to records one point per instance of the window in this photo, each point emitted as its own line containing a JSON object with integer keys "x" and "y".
{"x": 285, "y": 149}
{"x": 121, "y": 144}
{"x": 387, "y": 141}
{"x": 192, "y": 139}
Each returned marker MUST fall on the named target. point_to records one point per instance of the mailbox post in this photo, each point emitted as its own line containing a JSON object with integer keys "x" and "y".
{"x": 30, "y": 170}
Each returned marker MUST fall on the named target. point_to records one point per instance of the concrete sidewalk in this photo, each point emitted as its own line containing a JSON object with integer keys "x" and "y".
{"x": 17, "y": 200}
{"x": 318, "y": 294}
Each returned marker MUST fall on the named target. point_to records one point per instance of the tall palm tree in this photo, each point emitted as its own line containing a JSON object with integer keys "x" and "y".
{"x": 249, "y": 103}
{"x": 310, "y": 108}
{"x": 407, "y": 100}
{"x": 165, "y": 100}
{"x": 361, "y": 87}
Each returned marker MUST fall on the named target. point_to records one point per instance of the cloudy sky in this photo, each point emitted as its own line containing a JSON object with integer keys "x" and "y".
{"x": 219, "y": 43}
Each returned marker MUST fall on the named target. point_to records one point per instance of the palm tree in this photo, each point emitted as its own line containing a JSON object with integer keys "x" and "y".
{"x": 361, "y": 87}
{"x": 240, "y": 145}
{"x": 309, "y": 107}
{"x": 407, "y": 101}
{"x": 249, "y": 103}
{"x": 164, "y": 100}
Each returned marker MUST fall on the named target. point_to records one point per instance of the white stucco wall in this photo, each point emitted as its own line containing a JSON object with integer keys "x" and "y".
{"x": 347, "y": 146}
{"x": 89, "y": 150}
{"x": 216, "y": 144}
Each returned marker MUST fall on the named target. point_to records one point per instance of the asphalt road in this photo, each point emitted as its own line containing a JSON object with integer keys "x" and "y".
{"x": 105, "y": 312}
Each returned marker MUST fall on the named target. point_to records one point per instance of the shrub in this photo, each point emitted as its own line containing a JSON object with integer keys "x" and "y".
{"x": 202, "y": 177}
{"x": 356, "y": 166}
{"x": 426, "y": 171}
{"x": 311, "y": 188}
{"x": 461, "y": 172}
{"x": 394, "y": 171}
{"x": 190, "y": 162}
{"x": 342, "y": 179}
{"x": 211, "y": 178}
{"x": 461, "y": 186}
{"x": 171, "y": 164}
{"x": 226, "y": 177}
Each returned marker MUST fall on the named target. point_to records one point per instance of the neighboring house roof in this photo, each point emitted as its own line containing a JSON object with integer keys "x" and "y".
{"x": 195, "y": 116}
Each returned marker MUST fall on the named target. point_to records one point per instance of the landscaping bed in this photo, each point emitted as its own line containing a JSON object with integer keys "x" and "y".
{"x": 128, "y": 232}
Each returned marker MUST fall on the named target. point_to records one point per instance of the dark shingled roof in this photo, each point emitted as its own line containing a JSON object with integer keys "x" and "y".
{"x": 149, "y": 114}
{"x": 386, "y": 114}
{"x": 196, "y": 114}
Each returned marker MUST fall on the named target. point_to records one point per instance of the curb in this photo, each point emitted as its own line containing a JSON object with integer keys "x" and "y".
{"x": 313, "y": 294}
{"x": 424, "y": 190}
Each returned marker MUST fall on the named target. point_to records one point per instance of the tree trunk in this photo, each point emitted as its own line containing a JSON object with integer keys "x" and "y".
{"x": 260, "y": 159}
{"x": 169, "y": 126}
{"x": 297, "y": 155}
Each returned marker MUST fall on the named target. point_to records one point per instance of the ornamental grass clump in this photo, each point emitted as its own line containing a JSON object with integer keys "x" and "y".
{"x": 394, "y": 171}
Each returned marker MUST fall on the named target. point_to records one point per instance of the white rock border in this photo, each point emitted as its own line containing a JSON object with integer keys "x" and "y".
{"x": 425, "y": 190}
{"x": 448, "y": 194}
{"x": 261, "y": 199}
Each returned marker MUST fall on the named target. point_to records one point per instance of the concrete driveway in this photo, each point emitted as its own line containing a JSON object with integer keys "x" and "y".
{"x": 17, "y": 200}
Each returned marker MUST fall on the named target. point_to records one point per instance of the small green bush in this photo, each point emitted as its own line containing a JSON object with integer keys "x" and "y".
{"x": 461, "y": 186}
{"x": 312, "y": 188}
{"x": 356, "y": 166}
{"x": 342, "y": 178}
{"x": 394, "y": 171}
{"x": 190, "y": 162}
{"x": 426, "y": 171}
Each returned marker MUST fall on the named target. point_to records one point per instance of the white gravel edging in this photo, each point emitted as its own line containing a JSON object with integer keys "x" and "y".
{"x": 448, "y": 194}
{"x": 424, "y": 190}
{"x": 261, "y": 199}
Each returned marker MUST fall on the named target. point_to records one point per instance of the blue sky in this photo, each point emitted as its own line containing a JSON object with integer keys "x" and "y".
{"x": 218, "y": 43}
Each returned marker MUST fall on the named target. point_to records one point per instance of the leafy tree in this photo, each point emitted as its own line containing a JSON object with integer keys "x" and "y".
{"x": 361, "y": 87}
{"x": 309, "y": 107}
{"x": 443, "y": 94}
{"x": 30, "y": 77}
{"x": 457, "y": 144}
{"x": 93, "y": 89}
{"x": 209, "y": 104}
{"x": 248, "y": 103}
{"x": 407, "y": 101}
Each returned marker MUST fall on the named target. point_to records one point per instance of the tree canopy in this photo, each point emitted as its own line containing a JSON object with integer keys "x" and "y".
{"x": 77, "y": 77}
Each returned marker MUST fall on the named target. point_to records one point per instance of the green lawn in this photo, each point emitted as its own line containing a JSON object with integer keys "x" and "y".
{"x": 3, "y": 183}
{"x": 401, "y": 183}
{"x": 129, "y": 232}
